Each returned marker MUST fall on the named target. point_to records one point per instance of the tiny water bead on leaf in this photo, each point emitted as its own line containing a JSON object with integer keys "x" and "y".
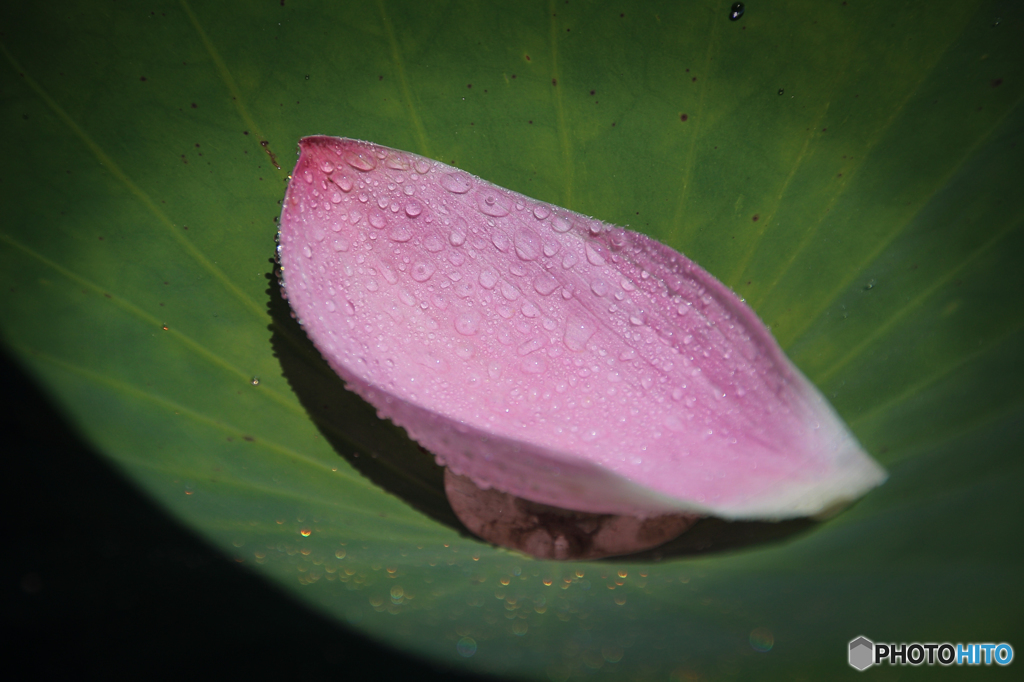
{"x": 736, "y": 11}
{"x": 548, "y": 355}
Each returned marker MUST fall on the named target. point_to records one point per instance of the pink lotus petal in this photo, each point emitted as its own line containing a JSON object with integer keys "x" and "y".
{"x": 549, "y": 355}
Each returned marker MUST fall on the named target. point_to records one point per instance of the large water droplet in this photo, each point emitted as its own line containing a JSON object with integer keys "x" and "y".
{"x": 377, "y": 219}
{"x": 530, "y": 345}
{"x": 541, "y": 212}
{"x": 406, "y": 297}
{"x": 593, "y": 257}
{"x": 509, "y": 291}
{"x": 306, "y": 251}
{"x": 467, "y": 323}
{"x": 326, "y": 166}
{"x": 422, "y": 270}
{"x": 569, "y": 260}
{"x": 533, "y": 365}
{"x": 340, "y": 244}
{"x": 400, "y": 233}
{"x": 345, "y": 183}
{"x": 456, "y": 183}
{"x": 736, "y": 11}
{"x": 527, "y": 244}
{"x": 413, "y": 209}
{"x": 545, "y": 284}
{"x": 491, "y": 203}
{"x": 599, "y": 287}
{"x": 359, "y": 160}
{"x": 433, "y": 243}
{"x": 500, "y": 240}
{"x": 389, "y": 273}
{"x": 578, "y": 331}
{"x": 488, "y": 278}
{"x": 529, "y": 309}
{"x": 397, "y": 162}
{"x": 560, "y": 224}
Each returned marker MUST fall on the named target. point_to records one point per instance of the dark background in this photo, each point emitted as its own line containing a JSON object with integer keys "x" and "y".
{"x": 97, "y": 579}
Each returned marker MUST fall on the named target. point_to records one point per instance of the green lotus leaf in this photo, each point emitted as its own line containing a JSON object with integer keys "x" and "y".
{"x": 851, "y": 169}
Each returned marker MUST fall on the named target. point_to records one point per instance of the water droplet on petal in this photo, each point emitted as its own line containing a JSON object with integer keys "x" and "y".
{"x": 533, "y": 365}
{"x": 308, "y": 177}
{"x": 541, "y": 212}
{"x": 500, "y": 240}
{"x": 360, "y": 160}
{"x": 560, "y": 224}
{"x": 307, "y": 252}
{"x": 345, "y": 183}
{"x": 340, "y": 244}
{"x": 467, "y": 323}
{"x": 593, "y": 257}
{"x": 456, "y": 183}
{"x": 530, "y": 345}
{"x": 326, "y": 166}
{"x": 422, "y": 271}
{"x": 433, "y": 243}
{"x": 544, "y": 283}
{"x": 400, "y": 234}
{"x": 578, "y": 331}
{"x": 388, "y": 273}
{"x": 413, "y": 209}
{"x": 509, "y": 291}
{"x": 599, "y": 287}
{"x": 492, "y": 203}
{"x": 488, "y": 278}
{"x": 527, "y": 244}
{"x": 378, "y": 220}
{"x": 421, "y": 165}
{"x": 397, "y": 162}
{"x": 569, "y": 260}
{"x": 529, "y": 309}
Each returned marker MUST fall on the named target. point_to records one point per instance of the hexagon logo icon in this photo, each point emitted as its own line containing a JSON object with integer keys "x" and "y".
{"x": 862, "y": 653}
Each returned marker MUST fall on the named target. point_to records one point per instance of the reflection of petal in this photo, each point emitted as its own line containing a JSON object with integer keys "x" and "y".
{"x": 634, "y": 384}
{"x": 548, "y": 532}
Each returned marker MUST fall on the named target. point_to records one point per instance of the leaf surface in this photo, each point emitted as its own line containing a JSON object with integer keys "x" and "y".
{"x": 852, "y": 171}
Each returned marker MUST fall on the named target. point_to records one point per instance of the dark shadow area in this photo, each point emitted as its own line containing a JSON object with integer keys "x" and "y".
{"x": 384, "y": 453}
{"x": 716, "y": 536}
{"x": 97, "y": 579}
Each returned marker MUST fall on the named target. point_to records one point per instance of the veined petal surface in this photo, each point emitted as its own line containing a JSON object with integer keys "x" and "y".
{"x": 548, "y": 354}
